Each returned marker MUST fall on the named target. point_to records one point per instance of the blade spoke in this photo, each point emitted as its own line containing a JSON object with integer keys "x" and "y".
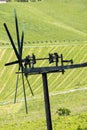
{"x": 16, "y": 87}
{"x": 17, "y": 31}
{"x": 12, "y": 63}
{"x": 24, "y": 92}
{"x": 29, "y": 86}
{"x": 22, "y": 40}
{"x": 13, "y": 45}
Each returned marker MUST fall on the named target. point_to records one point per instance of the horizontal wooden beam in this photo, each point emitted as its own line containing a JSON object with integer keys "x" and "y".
{"x": 52, "y": 69}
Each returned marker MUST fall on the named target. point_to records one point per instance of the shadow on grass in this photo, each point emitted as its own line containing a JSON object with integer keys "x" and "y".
{"x": 79, "y": 128}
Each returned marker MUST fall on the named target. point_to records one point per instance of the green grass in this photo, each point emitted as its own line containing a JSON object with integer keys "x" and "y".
{"x": 72, "y": 79}
{"x": 47, "y": 20}
{"x": 15, "y": 118}
{"x": 75, "y": 78}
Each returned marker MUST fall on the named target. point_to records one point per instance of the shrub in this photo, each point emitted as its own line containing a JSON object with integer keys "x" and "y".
{"x": 63, "y": 112}
{"x": 79, "y": 128}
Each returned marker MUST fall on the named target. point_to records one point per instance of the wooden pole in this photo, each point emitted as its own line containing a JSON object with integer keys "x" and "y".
{"x": 47, "y": 101}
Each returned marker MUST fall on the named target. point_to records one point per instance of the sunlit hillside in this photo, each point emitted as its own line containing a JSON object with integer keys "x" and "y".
{"x": 46, "y": 20}
{"x": 50, "y": 26}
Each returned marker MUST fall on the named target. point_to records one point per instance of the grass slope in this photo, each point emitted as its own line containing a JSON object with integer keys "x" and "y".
{"x": 46, "y": 20}
{"x": 36, "y": 118}
{"x": 75, "y": 78}
{"x": 72, "y": 79}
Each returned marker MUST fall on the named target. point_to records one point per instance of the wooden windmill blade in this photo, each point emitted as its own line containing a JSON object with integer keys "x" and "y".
{"x": 19, "y": 61}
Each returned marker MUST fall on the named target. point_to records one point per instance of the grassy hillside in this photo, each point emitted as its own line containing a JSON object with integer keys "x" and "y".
{"x": 68, "y": 90}
{"x": 57, "y": 82}
{"x": 60, "y": 20}
{"x": 46, "y": 20}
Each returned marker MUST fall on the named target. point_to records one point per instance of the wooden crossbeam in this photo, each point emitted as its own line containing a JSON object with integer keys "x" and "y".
{"x": 52, "y": 69}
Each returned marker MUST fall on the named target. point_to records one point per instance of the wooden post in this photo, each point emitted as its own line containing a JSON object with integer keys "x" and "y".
{"x": 47, "y": 101}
